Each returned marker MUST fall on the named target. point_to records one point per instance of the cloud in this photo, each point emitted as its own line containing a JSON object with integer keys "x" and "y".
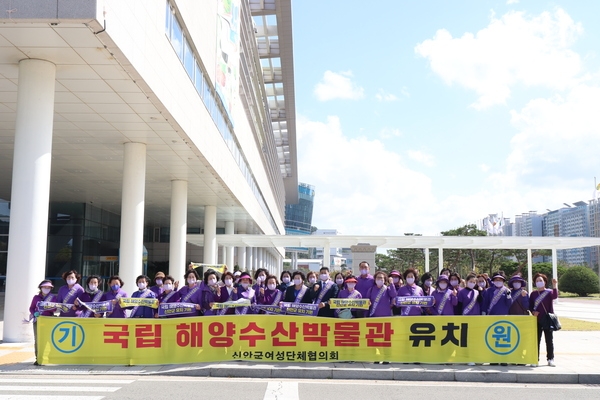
{"x": 338, "y": 86}
{"x": 514, "y": 49}
{"x": 484, "y": 167}
{"x": 388, "y": 133}
{"x": 509, "y": 2}
{"x": 421, "y": 157}
{"x": 383, "y": 96}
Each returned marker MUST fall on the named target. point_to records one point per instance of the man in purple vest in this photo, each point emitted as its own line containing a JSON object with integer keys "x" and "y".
{"x": 364, "y": 282}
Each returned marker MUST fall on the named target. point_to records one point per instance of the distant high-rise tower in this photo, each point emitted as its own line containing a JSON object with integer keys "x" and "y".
{"x": 298, "y": 217}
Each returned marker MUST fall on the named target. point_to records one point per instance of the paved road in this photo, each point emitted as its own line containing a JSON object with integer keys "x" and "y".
{"x": 582, "y": 309}
{"x": 132, "y": 387}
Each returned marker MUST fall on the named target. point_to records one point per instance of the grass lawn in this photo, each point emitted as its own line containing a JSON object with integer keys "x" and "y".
{"x": 595, "y": 296}
{"x": 569, "y": 324}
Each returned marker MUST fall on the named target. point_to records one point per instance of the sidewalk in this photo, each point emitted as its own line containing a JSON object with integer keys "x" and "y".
{"x": 577, "y": 359}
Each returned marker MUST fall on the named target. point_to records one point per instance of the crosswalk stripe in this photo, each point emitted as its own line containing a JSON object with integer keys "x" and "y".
{"x": 68, "y": 381}
{"x": 38, "y": 397}
{"x": 58, "y": 389}
{"x": 282, "y": 390}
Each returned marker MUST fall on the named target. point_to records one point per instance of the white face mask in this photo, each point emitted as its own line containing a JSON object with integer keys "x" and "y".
{"x": 410, "y": 281}
{"x": 285, "y": 279}
{"x": 191, "y": 281}
{"x": 324, "y": 277}
{"x": 212, "y": 282}
{"x": 350, "y": 285}
{"x": 159, "y": 282}
{"x": 498, "y": 284}
{"x": 245, "y": 285}
{"x": 517, "y": 285}
{"x": 379, "y": 283}
{"x": 470, "y": 285}
{"x": 442, "y": 285}
{"x": 46, "y": 290}
{"x": 228, "y": 282}
{"x": 93, "y": 287}
{"x": 453, "y": 283}
{"x": 312, "y": 280}
{"x": 260, "y": 278}
{"x": 71, "y": 281}
{"x": 142, "y": 285}
{"x": 168, "y": 286}
{"x": 540, "y": 284}
{"x": 271, "y": 286}
{"x": 481, "y": 284}
{"x": 428, "y": 283}
{"x": 364, "y": 271}
{"x": 297, "y": 281}
{"x": 395, "y": 279}
{"x": 339, "y": 281}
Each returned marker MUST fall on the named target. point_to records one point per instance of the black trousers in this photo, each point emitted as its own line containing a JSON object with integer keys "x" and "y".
{"x": 548, "y": 338}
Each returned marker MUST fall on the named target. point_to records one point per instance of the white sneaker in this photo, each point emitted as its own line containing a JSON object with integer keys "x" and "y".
{"x": 471, "y": 364}
{"x": 551, "y": 363}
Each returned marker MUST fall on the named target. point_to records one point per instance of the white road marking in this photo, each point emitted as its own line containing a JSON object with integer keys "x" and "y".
{"x": 41, "y": 397}
{"x": 282, "y": 390}
{"x": 67, "y": 381}
{"x": 58, "y": 389}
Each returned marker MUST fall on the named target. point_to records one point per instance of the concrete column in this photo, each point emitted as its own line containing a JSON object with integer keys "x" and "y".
{"x": 248, "y": 258}
{"x": 241, "y": 254}
{"x": 210, "y": 234}
{"x": 326, "y": 255}
{"x": 554, "y": 267}
{"x": 30, "y": 194}
{"x": 529, "y": 271}
{"x": 426, "y": 260}
{"x": 132, "y": 214}
{"x": 441, "y": 261}
{"x": 178, "y": 229}
{"x": 259, "y": 258}
{"x": 229, "y": 250}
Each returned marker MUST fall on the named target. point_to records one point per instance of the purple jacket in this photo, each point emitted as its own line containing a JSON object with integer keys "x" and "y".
{"x": 520, "y": 304}
{"x": 87, "y": 297}
{"x": 465, "y": 297}
{"x": 413, "y": 290}
{"x": 60, "y": 298}
{"x": 546, "y": 302}
{"x": 448, "y": 308}
{"x": 269, "y": 297}
{"x": 157, "y": 290}
{"x": 363, "y": 284}
{"x": 142, "y": 311}
{"x": 384, "y": 307}
{"x": 210, "y": 296}
{"x": 195, "y": 297}
{"x": 40, "y": 297}
{"x": 245, "y": 294}
{"x": 226, "y": 296}
{"x": 117, "y": 311}
{"x": 502, "y": 305}
{"x": 344, "y": 294}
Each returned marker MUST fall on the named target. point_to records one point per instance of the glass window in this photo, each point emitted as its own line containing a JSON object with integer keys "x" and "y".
{"x": 188, "y": 60}
{"x": 168, "y": 17}
{"x": 177, "y": 38}
{"x": 199, "y": 80}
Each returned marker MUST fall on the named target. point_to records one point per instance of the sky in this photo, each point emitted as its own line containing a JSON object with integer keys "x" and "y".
{"x": 423, "y": 116}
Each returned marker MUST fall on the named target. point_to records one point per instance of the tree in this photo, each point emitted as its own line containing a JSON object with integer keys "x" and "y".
{"x": 580, "y": 280}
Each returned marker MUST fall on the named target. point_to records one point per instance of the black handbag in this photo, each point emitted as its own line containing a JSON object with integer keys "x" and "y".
{"x": 551, "y": 321}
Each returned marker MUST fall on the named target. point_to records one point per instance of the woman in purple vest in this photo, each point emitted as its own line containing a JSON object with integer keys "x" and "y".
{"x": 211, "y": 292}
{"x": 496, "y": 299}
{"x": 169, "y": 293}
{"x": 444, "y": 298}
{"x": 298, "y": 292}
{"x": 245, "y": 291}
{"x": 382, "y": 296}
{"x": 260, "y": 276}
{"x": 349, "y": 293}
{"x": 520, "y": 297}
{"x": 113, "y": 295}
{"x": 69, "y": 292}
{"x": 228, "y": 293}
{"x": 410, "y": 289}
{"x": 92, "y": 294}
{"x": 158, "y": 288}
{"x": 143, "y": 292}
{"x": 427, "y": 284}
{"x": 470, "y": 298}
{"x": 45, "y": 294}
{"x": 271, "y": 295}
{"x": 396, "y": 281}
{"x": 192, "y": 292}
{"x": 540, "y": 304}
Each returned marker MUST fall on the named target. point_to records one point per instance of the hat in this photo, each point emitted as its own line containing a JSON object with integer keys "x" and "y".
{"x": 46, "y": 282}
{"x": 351, "y": 279}
{"x": 516, "y": 278}
{"x": 442, "y": 278}
{"x": 395, "y": 273}
{"x": 245, "y": 275}
{"x": 499, "y": 275}
{"x": 237, "y": 273}
{"x": 159, "y": 274}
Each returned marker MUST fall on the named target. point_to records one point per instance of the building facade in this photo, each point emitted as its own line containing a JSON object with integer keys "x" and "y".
{"x": 126, "y": 125}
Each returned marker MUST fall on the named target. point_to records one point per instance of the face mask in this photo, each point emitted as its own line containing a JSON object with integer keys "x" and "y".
{"x": 443, "y": 285}
{"x": 481, "y": 284}
{"x": 285, "y": 279}
{"x": 212, "y": 282}
{"x": 364, "y": 271}
{"x": 410, "y": 281}
{"x": 297, "y": 281}
{"x": 540, "y": 284}
{"x": 453, "y": 283}
{"x": 396, "y": 280}
{"x": 71, "y": 281}
{"x": 260, "y": 278}
{"x": 191, "y": 281}
{"x": 379, "y": 283}
{"x": 517, "y": 285}
{"x": 470, "y": 285}
{"x": 46, "y": 290}
{"x": 350, "y": 285}
{"x": 115, "y": 287}
{"x": 312, "y": 280}
{"x": 168, "y": 286}
{"x": 245, "y": 285}
{"x": 158, "y": 282}
{"x": 142, "y": 285}
{"x": 339, "y": 281}
{"x": 271, "y": 286}
{"x": 93, "y": 287}
{"x": 228, "y": 282}
{"x": 324, "y": 277}
{"x": 428, "y": 283}
{"x": 498, "y": 284}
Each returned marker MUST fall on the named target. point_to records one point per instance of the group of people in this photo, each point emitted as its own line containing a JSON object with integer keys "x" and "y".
{"x": 477, "y": 294}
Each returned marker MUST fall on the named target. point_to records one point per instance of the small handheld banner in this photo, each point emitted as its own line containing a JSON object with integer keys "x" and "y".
{"x": 269, "y": 309}
{"x": 167, "y": 309}
{"x": 229, "y": 304}
{"x": 138, "y": 301}
{"x": 422, "y": 301}
{"x": 362, "y": 304}
{"x": 300, "y": 308}
{"x": 98, "y": 307}
{"x": 51, "y": 306}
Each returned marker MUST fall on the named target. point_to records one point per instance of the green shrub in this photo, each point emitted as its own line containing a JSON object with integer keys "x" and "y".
{"x": 580, "y": 280}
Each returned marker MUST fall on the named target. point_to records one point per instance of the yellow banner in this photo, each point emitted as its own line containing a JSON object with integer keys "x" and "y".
{"x": 436, "y": 339}
{"x": 228, "y": 304}
{"x": 350, "y": 303}
{"x": 137, "y": 301}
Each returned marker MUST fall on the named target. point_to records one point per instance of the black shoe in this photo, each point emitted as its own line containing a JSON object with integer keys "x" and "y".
{"x": 504, "y": 364}
{"x": 36, "y": 363}
{"x": 385, "y": 362}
